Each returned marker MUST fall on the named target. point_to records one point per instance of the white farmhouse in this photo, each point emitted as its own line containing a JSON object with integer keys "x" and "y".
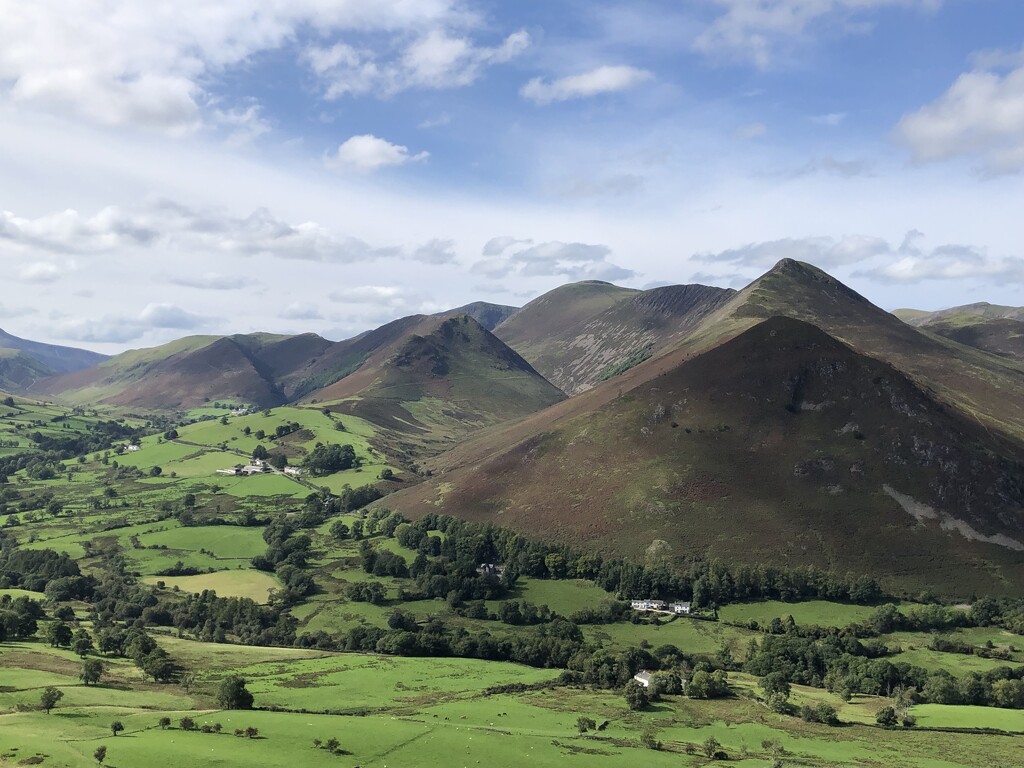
{"x": 648, "y": 605}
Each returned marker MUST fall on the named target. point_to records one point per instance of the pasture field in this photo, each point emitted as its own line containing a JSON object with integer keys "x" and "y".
{"x": 953, "y": 716}
{"x": 429, "y": 713}
{"x": 255, "y": 585}
{"x": 811, "y": 612}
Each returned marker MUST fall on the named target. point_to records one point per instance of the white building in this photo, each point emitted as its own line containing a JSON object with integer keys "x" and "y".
{"x": 648, "y": 605}
{"x": 682, "y": 609}
{"x": 644, "y": 677}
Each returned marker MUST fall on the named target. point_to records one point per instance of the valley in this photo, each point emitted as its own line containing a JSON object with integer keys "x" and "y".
{"x": 423, "y": 542}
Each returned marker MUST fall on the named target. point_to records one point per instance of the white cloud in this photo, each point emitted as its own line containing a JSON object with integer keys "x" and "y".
{"x": 436, "y": 59}
{"x": 761, "y": 31}
{"x": 829, "y": 120}
{"x": 211, "y": 281}
{"x": 606, "y": 79}
{"x": 980, "y": 116}
{"x": 165, "y": 315}
{"x": 389, "y": 296}
{"x": 118, "y": 62}
{"x": 368, "y": 153}
{"x": 7, "y": 312}
{"x": 167, "y": 224}
{"x": 119, "y": 329}
{"x": 877, "y": 259}
{"x": 505, "y": 256}
{"x": 39, "y": 272}
{"x": 300, "y": 310}
{"x": 751, "y": 131}
{"x": 825, "y": 252}
{"x": 435, "y": 252}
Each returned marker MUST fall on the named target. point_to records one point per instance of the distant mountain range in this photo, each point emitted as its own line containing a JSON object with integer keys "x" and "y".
{"x": 790, "y": 422}
{"x": 993, "y": 328}
{"x": 23, "y": 362}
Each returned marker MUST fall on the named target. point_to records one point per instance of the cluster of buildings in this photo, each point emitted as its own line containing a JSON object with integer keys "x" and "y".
{"x": 257, "y": 467}
{"x": 679, "y": 609}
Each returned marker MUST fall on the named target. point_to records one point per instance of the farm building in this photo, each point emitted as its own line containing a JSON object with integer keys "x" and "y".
{"x": 490, "y": 569}
{"x": 648, "y": 605}
{"x": 293, "y": 471}
{"x": 682, "y": 609}
{"x": 644, "y": 677}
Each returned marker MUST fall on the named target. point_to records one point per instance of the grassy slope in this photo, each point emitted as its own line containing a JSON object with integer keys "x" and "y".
{"x": 430, "y": 712}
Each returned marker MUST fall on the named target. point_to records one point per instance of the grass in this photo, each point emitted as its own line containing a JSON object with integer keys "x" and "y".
{"x": 951, "y": 716}
{"x": 813, "y": 612}
{"x": 255, "y": 585}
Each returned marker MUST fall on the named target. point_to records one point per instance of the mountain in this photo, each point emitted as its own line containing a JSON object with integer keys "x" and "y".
{"x": 983, "y": 385}
{"x": 424, "y": 380}
{"x": 583, "y": 333}
{"x": 490, "y": 316}
{"x": 995, "y": 329}
{"x": 780, "y": 445}
{"x": 437, "y": 380}
{"x": 23, "y": 362}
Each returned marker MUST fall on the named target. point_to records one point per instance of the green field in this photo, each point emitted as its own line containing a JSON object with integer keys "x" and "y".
{"x": 425, "y": 712}
{"x": 241, "y": 583}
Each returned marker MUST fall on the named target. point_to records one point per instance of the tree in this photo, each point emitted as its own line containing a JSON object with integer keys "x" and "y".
{"x": 252, "y": 733}
{"x": 584, "y": 724}
{"x": 886, "y": 716}
{"x": 82, "y": 643}
{"x": 332, "y": 744}
{"x": 100, "y": 754}
{"x": 155, "y": 472}
{"x": 233, "y": 694}
{"x": 49, "y": 697}
{"x": 116, "y": 727}
{"x": 92, "y": 671}
{"x": 636, "y": 695}
{"x": 187, "y": 681}
{"x": 260, "y": 453}
{"x": 58, "y": 634}
{"x": 164, "y": 723}
{"x": 187, "y": 724}
{"x": 711, "y": 747}
{"x": 339, "y": 530}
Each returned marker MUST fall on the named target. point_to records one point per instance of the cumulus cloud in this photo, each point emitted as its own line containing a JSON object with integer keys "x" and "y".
{"x": 119, "y": 329}
{"x": 436, "y": 59}
{"x": 762, "y": 31}
{"x": 606, "y": 79}
{"x": 384, "y": 296}
{"x": 877, "y": 259}
{"x": 980, "y": 116}
{"x": 119, "y": 62}
{"x": 368, "y": 153}
{"x": 168, "y": 225}
{"x": 435, "y": 252}
{"x": 506, "y": 256}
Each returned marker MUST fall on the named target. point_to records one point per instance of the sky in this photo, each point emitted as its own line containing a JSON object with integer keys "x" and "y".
{"x": 184, "y": 168}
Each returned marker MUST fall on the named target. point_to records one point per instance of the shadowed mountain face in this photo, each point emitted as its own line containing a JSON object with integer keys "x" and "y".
{"x": 581, "y": 334}
{"x": 780, "y": 445}
{"x": 995, "y": 329}
{"x": 490, "y": 316}
{"x": 982, "y": 385}
{"x": 23, "y": 362}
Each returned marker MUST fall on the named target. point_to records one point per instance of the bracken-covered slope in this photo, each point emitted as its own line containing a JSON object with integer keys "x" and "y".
{"x": 983, "y": 385}
{"x": 185, "y": 373}
{"x": 583, "y": 333}
{"x": 438, "y": 380}
{"x": 781, "y": 445}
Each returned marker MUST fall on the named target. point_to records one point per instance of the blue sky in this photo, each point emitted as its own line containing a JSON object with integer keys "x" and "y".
{"x": 328, "y": 165}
